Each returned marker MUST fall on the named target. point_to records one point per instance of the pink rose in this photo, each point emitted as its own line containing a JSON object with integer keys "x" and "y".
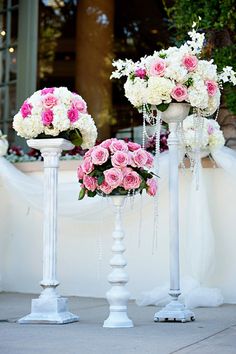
{"x": 118, "y": 145}
{"x": 99, "y": 155}
{"x": 212, "y": 87}
{"x": 131, "y": 180}
{"x": 152, "y": 187}
{"x": 79, "y": 104}
{"x": 190, "y": 62}
{"x": 133, "y": 146}
{"x": 47, "y": 117}
{"x": 106, "y": 188}
{"x": 89, "y": 152}
{"x": 120, "y": 159}
{"x": 26, "y": 109}
{"x": 49, "y": 101}
{"x": 113, "y": 177}
{"x": 210, "y": 129}
{"x": 90, "y": 183}
{"x": 140, "y": 73}
{"x": 45, "y": 91}
{"x": 150, "y": 160}
{"x": 80, "y": 172}
{"x": 87, "y": 165}
{"x": 179, "y": 93}
{"x": 157, "y": 67}
{"x": 139, "y": 157}
{"x": 106, "y": 143}
{"x": 73, "y": 115}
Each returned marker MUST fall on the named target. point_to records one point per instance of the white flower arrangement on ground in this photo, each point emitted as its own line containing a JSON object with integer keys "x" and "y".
{"x": 175, "y": 75}
{"x": 207, "y": 138}
{"x": 56, "y": 112}
{"x": 3, "y": 144}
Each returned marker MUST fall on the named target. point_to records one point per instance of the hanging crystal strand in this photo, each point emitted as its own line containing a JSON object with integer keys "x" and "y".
{"x": 217, "y": 113}
{"x": 144, "y": 129}
{"x": 156, "y": 170}
{"x": 198, "y": 143}
{"x": 182, "y": 146}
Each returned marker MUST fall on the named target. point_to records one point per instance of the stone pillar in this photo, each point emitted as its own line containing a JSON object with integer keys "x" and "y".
{"x": 94, "y": 54}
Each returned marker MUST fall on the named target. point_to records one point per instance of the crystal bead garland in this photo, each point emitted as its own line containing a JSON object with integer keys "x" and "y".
{"x": 152, "y": 116}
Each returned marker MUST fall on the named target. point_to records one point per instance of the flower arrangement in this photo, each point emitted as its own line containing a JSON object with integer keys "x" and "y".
{"x": 3, "y": 144}
{"x": 56, "y": 112}
{"x": 116, "y": 167}
{"x": 209, "y": 137}
{"x": 174, "y": 75}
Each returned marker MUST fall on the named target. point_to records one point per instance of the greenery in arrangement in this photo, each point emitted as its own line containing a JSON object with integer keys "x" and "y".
{"x": 218, "y": 21}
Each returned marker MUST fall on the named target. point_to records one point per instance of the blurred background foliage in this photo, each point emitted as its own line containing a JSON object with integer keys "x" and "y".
{"x": 218, "y": 21}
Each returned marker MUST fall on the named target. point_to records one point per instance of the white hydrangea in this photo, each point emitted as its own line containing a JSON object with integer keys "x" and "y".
{"x": 135, "y": 91}
{"x": 60, "y": 120}
{"x": 203, "y": 133}
{"x": 28, "y": 128}
{"x": 198, "y": 96}
{"x": 216, "y": 140}
{"x": 88, "y": 130}
{"x": 207, "y": 70}
{"x": 158, "y": 90}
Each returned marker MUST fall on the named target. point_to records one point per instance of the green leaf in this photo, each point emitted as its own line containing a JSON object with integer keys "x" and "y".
{"x": 100, "y": 179}
{"x": 75, "y": 137}
{"x": 163, "y": 107}
{"x": 91, "y": 194}
{"x": 82, "y": 193}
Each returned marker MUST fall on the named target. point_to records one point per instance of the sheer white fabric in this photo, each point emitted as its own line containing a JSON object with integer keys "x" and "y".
{"x": 199, "y": 244}
{"x": 199, "y": 235}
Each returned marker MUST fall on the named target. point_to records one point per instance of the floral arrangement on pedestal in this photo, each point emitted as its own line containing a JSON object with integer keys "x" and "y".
{"x": 116, "y": 167}
{"x": 210, "y": 136}
{"x": 174, "y": 75}
{"x": 3, "y": 144}
{"x": 56, "y": 112}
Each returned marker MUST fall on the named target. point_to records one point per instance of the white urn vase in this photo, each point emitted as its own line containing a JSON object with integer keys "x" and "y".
{"x": 174, "y": 311}
{"x": 118, "y": 295}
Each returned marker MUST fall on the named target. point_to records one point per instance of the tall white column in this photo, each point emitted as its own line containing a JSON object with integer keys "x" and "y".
{"x": 174, "y": 311}
{"x": 50, "y": 307}
{"x": 118, "y": 295}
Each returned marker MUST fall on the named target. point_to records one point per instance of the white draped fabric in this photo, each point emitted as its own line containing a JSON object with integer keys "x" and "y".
{"x": 198, "y": 231}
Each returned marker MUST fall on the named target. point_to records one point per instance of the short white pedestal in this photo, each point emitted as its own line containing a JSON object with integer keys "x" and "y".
{"x": 174, "y": 311}
{"x": 50, "y": 307}
{"x": 118, "y": 295}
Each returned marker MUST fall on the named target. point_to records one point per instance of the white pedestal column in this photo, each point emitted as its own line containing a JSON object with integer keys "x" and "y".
{"x": 50, "y": 307}
{"x": 118, "y": 295}
{"x": 174, "y": 311}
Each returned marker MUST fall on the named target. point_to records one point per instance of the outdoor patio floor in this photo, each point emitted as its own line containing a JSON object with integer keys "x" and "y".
{"x": 214, "y": 331}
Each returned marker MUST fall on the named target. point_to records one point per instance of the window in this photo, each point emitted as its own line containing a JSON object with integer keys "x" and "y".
{"x": 8, "y": 72}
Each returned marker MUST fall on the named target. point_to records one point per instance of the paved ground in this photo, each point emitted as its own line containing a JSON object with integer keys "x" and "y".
{"x": 214, "y": 331}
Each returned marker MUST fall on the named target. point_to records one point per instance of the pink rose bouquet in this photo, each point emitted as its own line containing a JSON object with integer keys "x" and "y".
{"x": 116, "y": 167}
{"x": 56, "y": 112}
{"x": 176, "y": 74}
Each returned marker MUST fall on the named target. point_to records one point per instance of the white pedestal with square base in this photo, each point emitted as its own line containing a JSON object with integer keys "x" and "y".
{"x": 50, "y": 307}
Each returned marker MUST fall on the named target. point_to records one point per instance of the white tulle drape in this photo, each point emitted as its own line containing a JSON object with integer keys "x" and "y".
{"x": 199, "y": 243}
{"x": 197, "y": 229}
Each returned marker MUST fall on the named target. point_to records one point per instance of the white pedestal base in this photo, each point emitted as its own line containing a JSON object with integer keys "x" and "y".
{"x": 51, "y": 311}
{"x": 118, "y": 319}
{"x": 174, "y": 311}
